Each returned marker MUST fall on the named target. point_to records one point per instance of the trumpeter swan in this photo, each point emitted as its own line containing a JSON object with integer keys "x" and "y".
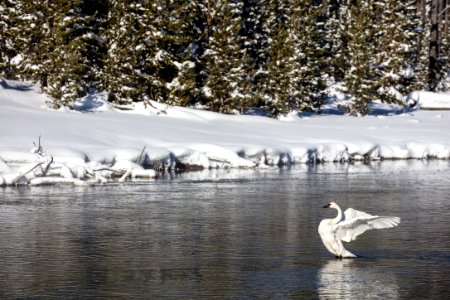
{"x": 349, "y": 226}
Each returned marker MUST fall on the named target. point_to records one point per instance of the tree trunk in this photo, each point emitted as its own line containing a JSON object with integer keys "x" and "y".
{"x": 434, "y": 45}
{"x": 446, "y": 18}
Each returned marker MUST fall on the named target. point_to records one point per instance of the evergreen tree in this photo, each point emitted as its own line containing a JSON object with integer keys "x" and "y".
{"x": 377, "y": 46}
{"x": 178, "y": 22}
{"x": 275, "y": 79}
{"x": 255, "y": 40}
{"x": 183, "y": 89}
{"x": 227, "y": 54}
{"x": 76, "y": 47}
{"x": 195, "y": 67}
{"x": 310, "y": 66}
{"x": 391, "y": 38}
{"x": 154, "y": 56}
{"x": 335, "y": 38}
{"x": 31, "y": 37}
{"x": 414, "y": 65}
{"x": 119, "y": 75}
{"x": 359, "y": 77}
{"x": 8, "y": 45}
{"x": 254, "y": 34}
{"x": 224, "y": 58}
{"x": 129, "y": 63}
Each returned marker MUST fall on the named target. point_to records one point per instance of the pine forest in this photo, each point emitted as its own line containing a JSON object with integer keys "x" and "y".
{"x": 228, "y": 56}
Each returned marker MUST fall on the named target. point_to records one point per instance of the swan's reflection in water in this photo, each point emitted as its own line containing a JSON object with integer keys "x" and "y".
{"x": 351, "y": 279}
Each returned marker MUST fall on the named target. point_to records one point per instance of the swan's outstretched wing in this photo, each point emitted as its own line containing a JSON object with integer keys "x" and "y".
{"x": 357, "y": 222}
{"x": 351, "y": 213}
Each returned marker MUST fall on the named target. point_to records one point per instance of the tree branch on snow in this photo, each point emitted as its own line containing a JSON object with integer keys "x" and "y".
{"x": 126, "y": 175}
{"x": 16, "y": 180}
{"x": 140, "y": 156}
{"x": 158, "y": 111}
{"x": 47, "y": 166}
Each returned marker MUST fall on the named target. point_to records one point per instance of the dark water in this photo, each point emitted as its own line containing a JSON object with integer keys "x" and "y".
{"x": 229, "y": 235}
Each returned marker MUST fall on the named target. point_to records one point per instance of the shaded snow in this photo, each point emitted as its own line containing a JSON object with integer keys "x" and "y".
{"x": 97, "y": 136}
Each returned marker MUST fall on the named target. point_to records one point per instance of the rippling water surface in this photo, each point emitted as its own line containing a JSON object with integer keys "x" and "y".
{"x": 229, "y": 234}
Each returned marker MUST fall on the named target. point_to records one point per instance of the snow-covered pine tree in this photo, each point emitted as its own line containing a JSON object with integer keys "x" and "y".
{"x": 413, "y": 75}
{"x": 178, "y": 23}
{"x": 139, "y": 63}
{"x": 275, "y": 79}
{"x": 360, "y": 78}
{"x": 391, "y": 42}
{"x": 8, "y": 31}
{"x": 121, "y": 74}
{"x": 254, "y": 42}
{"x": 118, "y": 74}
{"x": 308, "y": 74}
{"x": 419, "y": 54}
{"x": 157, "y": 42}
{"x": 254, "y": 35}
{"x": 30, "y": 35}
{"x": 334, "y": 39}
{"x": 376, "y": 39}
{"x": 224, "y": 58}
{"x": 73, "y": 62}
{"x": 94, "y": 46}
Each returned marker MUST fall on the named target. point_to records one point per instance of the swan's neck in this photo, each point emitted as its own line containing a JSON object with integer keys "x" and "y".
{"x": 339, "y": 215}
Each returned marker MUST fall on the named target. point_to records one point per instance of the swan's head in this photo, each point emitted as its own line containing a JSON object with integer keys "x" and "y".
{"x": 331, "y": 205}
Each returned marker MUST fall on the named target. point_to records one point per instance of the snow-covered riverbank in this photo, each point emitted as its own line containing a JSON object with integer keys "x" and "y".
{"x": 97, "y": 141}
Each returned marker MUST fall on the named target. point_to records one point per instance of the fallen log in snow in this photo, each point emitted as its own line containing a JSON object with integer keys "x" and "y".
{"x": 143, "y": 174}
{"x": 19, "y": 177}
{"x": 38, "y": 181}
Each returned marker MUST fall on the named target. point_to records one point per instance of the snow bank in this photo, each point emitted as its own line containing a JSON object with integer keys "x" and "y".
{"x": 429, "y": 100}
{"x": 97, "y": 142}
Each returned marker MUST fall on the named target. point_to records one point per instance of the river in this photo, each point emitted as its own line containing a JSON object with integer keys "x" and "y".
{"x": 229, "y": 234}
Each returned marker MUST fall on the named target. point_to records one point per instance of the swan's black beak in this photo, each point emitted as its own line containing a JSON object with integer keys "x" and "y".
{"x": 326, "y": 206}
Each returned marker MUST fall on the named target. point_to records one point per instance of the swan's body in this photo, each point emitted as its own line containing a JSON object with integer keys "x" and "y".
{"x": 348, "y": 226}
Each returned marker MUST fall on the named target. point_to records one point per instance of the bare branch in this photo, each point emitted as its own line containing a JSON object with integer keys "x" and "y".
{"x": 126, "y": 175}
{"x": 444, "y": 10}
{"x": 26, "y": 172}
{"x": 47, "y": 167}
{"x": 38, "y": 147}
{"x": 140, "y": 156}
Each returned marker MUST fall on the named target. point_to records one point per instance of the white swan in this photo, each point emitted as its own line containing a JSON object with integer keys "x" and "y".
{"x": 346, "y": 228}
